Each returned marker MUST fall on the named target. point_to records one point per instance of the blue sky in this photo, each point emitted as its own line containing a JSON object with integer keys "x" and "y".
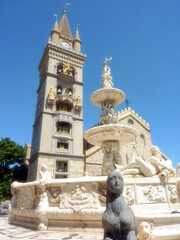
{"x": 142, "y": 37}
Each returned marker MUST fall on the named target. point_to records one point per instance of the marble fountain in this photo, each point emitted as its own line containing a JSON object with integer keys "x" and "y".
{"x": 77, "y": 204}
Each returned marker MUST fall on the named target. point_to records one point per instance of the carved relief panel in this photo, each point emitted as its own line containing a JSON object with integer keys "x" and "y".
{"x": 172, "y": 193}
{"x": 151, "y": 194}
{"x": 129, "y": 194}
{"x": 79, "y": 196}
{"x": 54, "y": 196}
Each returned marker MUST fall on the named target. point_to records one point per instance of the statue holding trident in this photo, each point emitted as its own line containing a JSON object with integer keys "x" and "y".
{"x": 106, "y": 75}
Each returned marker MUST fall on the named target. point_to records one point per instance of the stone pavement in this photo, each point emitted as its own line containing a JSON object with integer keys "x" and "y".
{"x": 10, "y": 232}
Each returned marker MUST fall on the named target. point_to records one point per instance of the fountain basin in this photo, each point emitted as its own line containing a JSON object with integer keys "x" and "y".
{"x": 112, "y": 95}
{"x": 78, "y": 204}
{"x": 111, "y": 132}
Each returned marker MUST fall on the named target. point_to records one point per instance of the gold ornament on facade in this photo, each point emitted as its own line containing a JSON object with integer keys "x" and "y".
{"x": 51, "y": 94}
{"x": 67, "y": 68}
{"x": 78, "y": 100}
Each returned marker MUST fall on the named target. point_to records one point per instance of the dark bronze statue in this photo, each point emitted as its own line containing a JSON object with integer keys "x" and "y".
{"x": 118, "y": 221}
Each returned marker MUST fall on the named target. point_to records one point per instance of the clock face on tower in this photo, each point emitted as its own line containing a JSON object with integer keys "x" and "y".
{"x": 65, "y": 44}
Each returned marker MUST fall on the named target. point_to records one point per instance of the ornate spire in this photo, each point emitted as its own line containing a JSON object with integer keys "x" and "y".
{"x": 64, "y": 28}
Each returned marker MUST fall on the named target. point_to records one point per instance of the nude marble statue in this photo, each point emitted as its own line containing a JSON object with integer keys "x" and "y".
{"x": 155, "y": 166}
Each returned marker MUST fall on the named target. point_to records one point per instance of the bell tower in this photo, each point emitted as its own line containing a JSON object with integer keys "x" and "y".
{"x": 57, "y": 139}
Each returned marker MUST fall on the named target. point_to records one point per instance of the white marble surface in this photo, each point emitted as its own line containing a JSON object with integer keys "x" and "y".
{"x": 112, "y": 132}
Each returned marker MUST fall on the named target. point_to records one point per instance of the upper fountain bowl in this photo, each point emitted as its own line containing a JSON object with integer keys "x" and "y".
{"x": 112, "y": 132}
{"x": 113, "y": 95}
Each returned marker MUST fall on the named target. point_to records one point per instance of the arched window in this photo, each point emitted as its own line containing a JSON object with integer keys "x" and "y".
{"x": 62, "y": 145}
{"x": 59, "y": 68}
{"x": 61, "y": 166}
{"x": 63, "y": 107}
{"x": 64, "y": 127}
{"x": 59, "y": 90}
{"x": 142, "y": 140}
{"x": 69, "y": 91}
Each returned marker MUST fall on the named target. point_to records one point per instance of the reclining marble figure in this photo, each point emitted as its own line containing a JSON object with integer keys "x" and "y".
{"x": 118, "y": 220}
{"x": 155, "y": 166}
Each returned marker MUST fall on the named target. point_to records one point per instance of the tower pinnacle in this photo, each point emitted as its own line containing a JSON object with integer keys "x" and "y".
{"x": 77, "y": 34}
{"x": 77, "y": 41}
{"x": 55, "y": 33}
{"x": 56, "y": 26}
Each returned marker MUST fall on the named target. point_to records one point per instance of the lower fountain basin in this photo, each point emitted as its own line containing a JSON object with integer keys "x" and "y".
{"x": 78, "y": 204}
{"x": 112, "y": 132}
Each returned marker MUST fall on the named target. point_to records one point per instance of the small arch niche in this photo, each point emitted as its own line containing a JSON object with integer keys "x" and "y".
{"x": 60, "y": 68}
{"x": 69, "y": 91}
{"x": 142, "y": 140}
{"x": 59, "y": 90}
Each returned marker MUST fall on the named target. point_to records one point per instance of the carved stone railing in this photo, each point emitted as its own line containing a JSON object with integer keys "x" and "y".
{"x": 80, "y": 202}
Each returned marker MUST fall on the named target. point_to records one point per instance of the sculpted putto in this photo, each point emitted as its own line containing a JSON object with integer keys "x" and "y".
{"x": 119, "y": 222}
{"x": 155, "y": 166}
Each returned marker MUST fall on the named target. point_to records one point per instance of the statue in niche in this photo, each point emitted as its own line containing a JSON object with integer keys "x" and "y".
{"x": 51, "y": 94}
{"x": 118, "y": 220}
{"x": 155, "y": 166}
{"x": 44, "y": 174}
{"x": 106, "y": 75}
{"x": 67, "y": 68}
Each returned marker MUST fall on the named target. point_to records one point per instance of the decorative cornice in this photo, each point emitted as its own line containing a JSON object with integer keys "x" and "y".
{"x": 56, "y": 155}
{"x": 60, "y": 53}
